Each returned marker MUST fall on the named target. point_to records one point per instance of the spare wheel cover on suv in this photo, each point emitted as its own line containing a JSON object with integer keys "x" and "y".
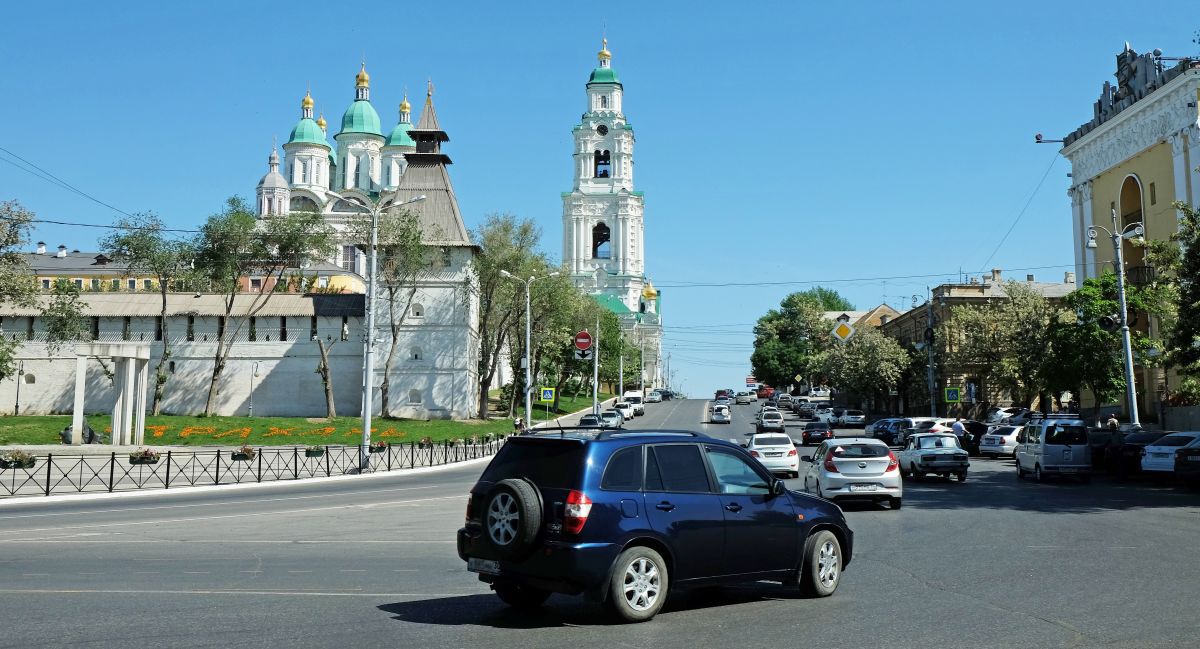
{"x": 512, "y": 517}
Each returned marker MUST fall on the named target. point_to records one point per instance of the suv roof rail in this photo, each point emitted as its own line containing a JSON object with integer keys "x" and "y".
{"x": 621, "y": 432}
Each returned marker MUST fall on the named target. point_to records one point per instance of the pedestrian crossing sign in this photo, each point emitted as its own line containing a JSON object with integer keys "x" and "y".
{"x": 547, "y": 394}
{"x": 953, "y": 395}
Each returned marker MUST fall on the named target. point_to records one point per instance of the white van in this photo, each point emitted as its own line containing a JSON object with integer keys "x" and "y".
{"x": 1054, "y": 446}
{"x": 635, "y": 399}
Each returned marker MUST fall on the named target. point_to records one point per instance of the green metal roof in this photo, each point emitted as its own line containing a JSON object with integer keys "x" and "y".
{"x": 361, "y": 117}
{"x": 604, "y": 75}
{"x": 400, "y": 136}
{"x": 307, "y": 132}
{"x": 612, "y": 303}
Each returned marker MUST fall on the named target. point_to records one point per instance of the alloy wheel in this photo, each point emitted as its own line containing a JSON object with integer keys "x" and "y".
{"x": 642, "y": 584}
{"x": 502, "y": 519}
{"x": 828, "y": 565}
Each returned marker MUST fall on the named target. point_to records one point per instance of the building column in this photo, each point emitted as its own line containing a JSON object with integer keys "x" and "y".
{"x": 128, "y": 382}
{"x": 80, "y": 387}
{"x": 139, "y": 402}
{"x": 1089, "y": 255}
{"x": 1179, "y": 150}
{"x": 1078, "y": 233}
{"x": 1193, "y": 162}
{"x": 118, "y": 421}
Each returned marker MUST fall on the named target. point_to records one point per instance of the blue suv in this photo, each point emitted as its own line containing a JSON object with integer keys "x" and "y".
{"x": 624, "y": 516}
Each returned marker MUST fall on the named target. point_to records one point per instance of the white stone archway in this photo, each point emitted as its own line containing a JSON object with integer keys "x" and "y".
{"x": 130, "y": 378}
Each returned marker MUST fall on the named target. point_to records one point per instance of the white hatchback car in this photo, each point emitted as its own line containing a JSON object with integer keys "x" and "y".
{"x": 854, "y": 468}
{"x": 625, "y": 408}
{"x": 720, "y": 415}
{"x": 1159, "y": 457}
{"x": 776, "y": 452}
{"x": 853, "y": 419}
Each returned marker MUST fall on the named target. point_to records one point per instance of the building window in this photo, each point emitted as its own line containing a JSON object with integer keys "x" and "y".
{"x": 148, "y": 284}
{"x": 172, "y": 367}
{"x": 116, "y": 285}
{"x": 253, "y": 330}
{"x": 416, "y": 354}
{"x": 1153, "y": 195}
{"x": 191, "y": 328}
{"x": 312, "y": 328}
{"x": 95, "y": 284}
{"x": 45, "y": 285}
{"x": 304, "y": 178}
{"x": 349, "y": 257}
{"x": 323, "y": 282}
{"x": 256, "y": 284}
{"x": 345, "y": 327}
{"x": 603, "y": 102}
{"x": 603, "y": 164}
{"x": 283, "y": 328}
{"x": 447, "y": 257}
{"x": 158, "y": 328}
{"x": 414, "y": 397}
{"x": 78, "y": 284}
{"x": 417, "y": 310}
{"x": 126, "y": 327}
{"x": 95, "y": 328}
{"x": 601, "y": 249}
{"x": 133, "y": 284}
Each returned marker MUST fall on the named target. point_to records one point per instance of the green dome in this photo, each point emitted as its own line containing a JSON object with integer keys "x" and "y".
{"x": 361, "y": 117}
{"x": 400, "y": 136}
{"x": 604, "y": 75}
{"x": 307, "y": 132}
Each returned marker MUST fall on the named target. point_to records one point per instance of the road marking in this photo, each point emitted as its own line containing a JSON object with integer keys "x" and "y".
{"x": 284, "y": 593}
{"x": 89, "y": 574}
{"x": 400, "y": 503}
{"x": 250, "y": 572}
{"x": 36, "y": 574}
{"x": 352, "y": 570}
{"x": 146, "y": 572}
{"x": 299, "y": 572}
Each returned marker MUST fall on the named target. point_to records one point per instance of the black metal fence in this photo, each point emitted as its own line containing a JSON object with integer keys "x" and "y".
{"x": 64, "y": 473}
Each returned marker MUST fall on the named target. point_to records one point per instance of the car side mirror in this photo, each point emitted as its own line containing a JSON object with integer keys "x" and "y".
{"x": 780, "y": 488}
{"x": 806, "y": 458}
{"x": 745, "y": 445}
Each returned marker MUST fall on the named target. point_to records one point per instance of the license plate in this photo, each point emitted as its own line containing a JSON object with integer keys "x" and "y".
{"x": 863, "y": 487}
{"x": 1160, "y": 455}
{"x": 1194, "y": 458}
{"x": 774, "y": 454}
{"x": 483, "y": 565}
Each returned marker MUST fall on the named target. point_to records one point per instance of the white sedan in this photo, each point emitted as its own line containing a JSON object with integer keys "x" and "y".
{"x": 1160, "y": 455}
{"x": 854, "y": 468}
{"x": 625, "y": 408}
{"x": 776, "y": 452}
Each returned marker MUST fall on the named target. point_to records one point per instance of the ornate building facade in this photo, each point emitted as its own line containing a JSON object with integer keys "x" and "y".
{"x": 603, "y": 217}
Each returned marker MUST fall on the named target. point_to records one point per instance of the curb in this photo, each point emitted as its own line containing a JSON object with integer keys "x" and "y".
{"x": 274, "y": 484}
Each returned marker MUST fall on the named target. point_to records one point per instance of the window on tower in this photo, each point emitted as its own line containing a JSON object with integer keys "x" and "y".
{"x": 603, "y": 102}
{"x": 601, "y": 248}
{"x": 303, "y": 204}
{"x": 603, "y": 164}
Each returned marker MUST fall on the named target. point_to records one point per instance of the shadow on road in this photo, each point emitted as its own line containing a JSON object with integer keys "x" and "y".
{"x": 564, "y": 611}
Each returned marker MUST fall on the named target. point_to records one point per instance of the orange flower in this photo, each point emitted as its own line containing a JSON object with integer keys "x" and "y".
{"x": 241, "y": 432}
{"x": 197, "y": 430}
{"x": 157, "y": 430}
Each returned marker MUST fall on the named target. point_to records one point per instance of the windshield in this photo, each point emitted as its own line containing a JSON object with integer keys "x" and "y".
{"x": 941, "y": 441}
{"x": 772, "y": 440}
{"x": 924, "y": 424}
{"x": 1067, "y": 435}
{"x": 860, "y": 450}
{"x": 633, "y": 399}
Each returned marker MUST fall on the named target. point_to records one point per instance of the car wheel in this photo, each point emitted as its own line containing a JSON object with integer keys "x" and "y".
{"x": 962, "y": 477}
{"x": 1037, "y": 473}
{"x": 520, "y": 596}
{"x": 895, "y": 503}
{"x": 639, "y": 584}
{"x": 821, "y": 570}
{"x": 512, "y": 516}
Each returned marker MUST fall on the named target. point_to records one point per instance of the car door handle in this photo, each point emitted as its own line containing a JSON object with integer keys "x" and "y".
{"x": 664, "y": 506}
{"x": 734, "y": 507}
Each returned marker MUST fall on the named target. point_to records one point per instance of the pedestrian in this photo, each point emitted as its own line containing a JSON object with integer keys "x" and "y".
{"x": 958, "y": 428}
{"x": 518, "y": 426}
{"x": 1112, "y": 423}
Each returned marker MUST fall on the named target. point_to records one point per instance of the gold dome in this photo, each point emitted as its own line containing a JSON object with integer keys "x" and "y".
{"x": 604, "y": 54}
{"x": 649, "y": 293}
{"x": 362, "y": 79}
{"x": 321, "y": 121}
{"x": 307, "y": 102}
{"x": 405, "y": 107}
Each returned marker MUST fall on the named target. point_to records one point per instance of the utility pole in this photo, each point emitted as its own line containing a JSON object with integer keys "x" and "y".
{"x": 1133, "y": 231}
{"x": 621, "y": 362}
{"x": 642, "y": 358}
{"x": 596, "y": 372}
{"x": 929, "y": 348}
{"x": 20, "y": 377}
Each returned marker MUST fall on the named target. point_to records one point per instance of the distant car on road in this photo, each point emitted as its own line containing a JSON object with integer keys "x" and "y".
{"x": 1123, "y": 455}
{"x": 742, "y": 398}
{"x": 653, "y": 397}
{"x": 720, "y": 415}
{"x": 853, "y": 419}
{"x": 625, "y": 408}
{"x": 590, "y": 420}
{"x": 854, "y": 468}
{"x": 1054, "y": 446}
{"x": 815, "y": 432}
{"x": 936, "y": 453}
{"x": 776, "y": 452}
{"x": 635, "y": 399}
{"x": 611, "y": 418}
{"x": 770, "y": 420}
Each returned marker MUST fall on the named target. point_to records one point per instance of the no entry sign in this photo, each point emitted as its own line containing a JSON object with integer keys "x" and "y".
{"x": 583, "y": 340}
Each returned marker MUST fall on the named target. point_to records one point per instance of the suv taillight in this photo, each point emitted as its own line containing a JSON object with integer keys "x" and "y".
{"x": 893, "y": 463}
{"x": 575, "y": 514}
{"x": 829, "y": 465}
{"x": 470, "y": 501}
{"x": 754, "y": 454}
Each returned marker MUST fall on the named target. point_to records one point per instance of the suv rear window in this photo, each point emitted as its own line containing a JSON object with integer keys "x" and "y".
{"x": 1174, "y": 440}
{"x": 624, "y": 471}
{"x": 676, "y": 468}
{"x": 552, "y": 464}
{"x": 1067, "y": 435}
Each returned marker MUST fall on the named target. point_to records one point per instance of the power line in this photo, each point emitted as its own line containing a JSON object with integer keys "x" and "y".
{"x": 954, "y": 273}
{"x": 1020, "y": 214}
{"x": 55, "y": 180}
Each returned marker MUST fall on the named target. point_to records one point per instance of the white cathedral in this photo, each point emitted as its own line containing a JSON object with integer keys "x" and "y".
{"x": 603, "y": 219}
{"x": 435, "y": 372}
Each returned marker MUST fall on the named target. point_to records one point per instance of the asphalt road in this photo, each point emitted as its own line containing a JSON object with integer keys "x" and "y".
{"x": 992, "y": 562}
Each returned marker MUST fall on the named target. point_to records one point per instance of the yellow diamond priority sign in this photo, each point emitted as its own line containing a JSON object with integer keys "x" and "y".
{"x": 842, "y": 331}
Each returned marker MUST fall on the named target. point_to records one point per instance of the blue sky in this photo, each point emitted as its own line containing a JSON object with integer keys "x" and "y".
{"x": 776, "y": 141}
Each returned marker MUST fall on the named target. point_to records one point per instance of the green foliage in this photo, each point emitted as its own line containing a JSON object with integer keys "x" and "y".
{"x": 1183, "y": 342}
{"x": 789, "y": 340}
{"x": 17, "y": 284}
{"x": 869, "y": 363}
{"x": 63, "y": 317}
{"x": 829, "y": 299}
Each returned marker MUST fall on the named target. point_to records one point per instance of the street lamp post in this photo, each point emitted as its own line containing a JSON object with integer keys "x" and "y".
{"x": 253, "y": 373}
{"x": 528, "y": 336}
{"x": 369, "y": 351}
{"x": 1133, "y": 232}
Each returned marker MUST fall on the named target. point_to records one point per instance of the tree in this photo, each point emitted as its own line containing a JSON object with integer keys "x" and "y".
{"x": 17, "y": 285}
{"x": 829, "y": 299}
{"x": 789, "y": 340}
{"x": 1178, "y": 265}
{"x": 506, "y": 244}
{"x": 63, "y": 317}
{"x": 868, "y": 364}
{"x": 326, "y": 377}
{"x": 233, "y": 244}
{"x": 142, "y": 245}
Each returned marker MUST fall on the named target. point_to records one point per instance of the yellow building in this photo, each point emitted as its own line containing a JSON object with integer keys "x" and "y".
{"x": 1138, "y": 154}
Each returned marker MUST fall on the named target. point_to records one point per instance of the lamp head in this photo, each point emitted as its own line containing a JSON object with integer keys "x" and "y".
{"x": 505, "y": 273}
{"x": 1091, "y": 244}
{"x": 554, "y": 274}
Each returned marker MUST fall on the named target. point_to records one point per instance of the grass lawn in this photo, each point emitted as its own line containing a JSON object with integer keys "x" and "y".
{"x": 270, "y": 431}
{"x": 566, "y": 404}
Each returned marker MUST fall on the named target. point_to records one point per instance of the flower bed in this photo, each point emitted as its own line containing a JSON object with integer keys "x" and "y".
{"x": 243, "y": 454}
{"x": 16, "y": 459}
{"x": 144, "y": 456}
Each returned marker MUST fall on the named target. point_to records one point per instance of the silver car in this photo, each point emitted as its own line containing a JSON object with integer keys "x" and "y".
{"x": 1000, "y": 440}
{"x": 937, "y": 453}
{"x": 770, "y": 421}
{"x": 720, "y": 415}
{"x": 853, "y": 418}
{"x": 853, "y": 468}
{"x": 1054, "y": 446}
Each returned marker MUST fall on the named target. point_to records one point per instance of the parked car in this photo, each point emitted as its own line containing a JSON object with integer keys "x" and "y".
{"x": 1049, "y": 446}
{"x": 635, "y": 399}
{"x": 742, "y": 398}
{"x": 815, "y": 432}
{"x": 720, "y": 415}
{"x": 1187, "y": 464}
{"x": 654, "y": 396}
{"x": 819, "y": 393}
{"x": 770, "y": 420}
{"x": 853, "y": 419}
{"x": 784, "y": 402}
{"x": 936, "y": 453}
{"x": 625, "y": 408}
{"x": 590, "y": 420}
{"x": 996, "y": 414}
{"x": 1159, "y": 456}
{"x": 907, "y": 427}
{"x": 765, "y": 392}
{"x": 776, "y": 452}
{"x": 807, "y": 411}
{"x": 879, "y": 425}
{"x": 1123, "y": 452}
{"x": 611, "y": 418}
{"x": 1000, "y": 440}
{"x": 854, "y": 468}
{"x": 544, "y": 517}
{"x": 1019, "y": 418}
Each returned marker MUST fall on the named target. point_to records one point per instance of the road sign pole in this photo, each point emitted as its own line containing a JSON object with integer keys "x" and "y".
{"x": 596, "y": 371}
